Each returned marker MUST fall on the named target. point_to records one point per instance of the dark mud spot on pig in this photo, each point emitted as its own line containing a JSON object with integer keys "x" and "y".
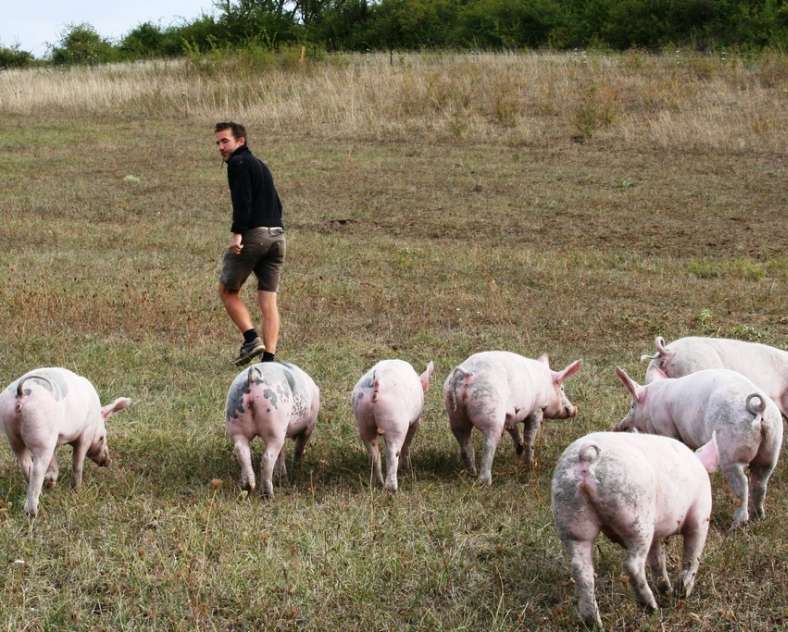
{"x": 289, "y": 377}
{"x": 271, "y": 396}
{"x": 235, "y": 401}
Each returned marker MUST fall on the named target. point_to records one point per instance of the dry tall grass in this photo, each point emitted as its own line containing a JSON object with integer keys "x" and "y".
{"x": 680, "y": 100}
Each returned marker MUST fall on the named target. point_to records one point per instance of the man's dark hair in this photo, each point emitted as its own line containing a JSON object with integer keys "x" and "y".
{"x": 237, "y": 130}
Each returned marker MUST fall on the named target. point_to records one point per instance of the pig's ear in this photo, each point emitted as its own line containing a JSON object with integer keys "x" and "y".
{"x": 119, "y": 404}
{"x": 425, "y": 377}
{"x": 709, "y": 455}
{"x": 560, "y": 376}
{"x": 543, "y": 359}
{"x": 633, "y": 387}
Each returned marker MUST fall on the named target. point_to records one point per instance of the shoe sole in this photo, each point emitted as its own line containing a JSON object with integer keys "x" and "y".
{"x": 244, "y": 359}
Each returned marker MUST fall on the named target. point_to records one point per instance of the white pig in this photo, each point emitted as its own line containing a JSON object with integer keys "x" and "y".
{"x": 388, "y": 401}
{"x": 637, "y": 489}
{"x": 271, "y": 400}
{"x": 747, "y": 423}
{"x": 48, "y": 407}
{"x": 765, "y": 366}
{"x": 494, "y": 391}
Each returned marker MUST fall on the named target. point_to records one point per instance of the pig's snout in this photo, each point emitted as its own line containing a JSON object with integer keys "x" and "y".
{"x": 568, "y": 412}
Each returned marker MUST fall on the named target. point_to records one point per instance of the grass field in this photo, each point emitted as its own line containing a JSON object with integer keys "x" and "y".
{"x": 590, "y": 212}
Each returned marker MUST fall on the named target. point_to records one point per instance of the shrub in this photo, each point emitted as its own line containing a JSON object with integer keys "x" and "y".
{"x": 14, "y": 57}
{"x": 81, "y": 44}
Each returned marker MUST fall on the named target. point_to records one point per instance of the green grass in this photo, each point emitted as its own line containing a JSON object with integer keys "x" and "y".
{"x": 411, "y": 249}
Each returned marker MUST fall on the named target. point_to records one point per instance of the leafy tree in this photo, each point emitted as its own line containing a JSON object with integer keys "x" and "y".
{"x": 507, "y": 23}
{"x": 81, "y": 44}
{"x": 144, "y": 41}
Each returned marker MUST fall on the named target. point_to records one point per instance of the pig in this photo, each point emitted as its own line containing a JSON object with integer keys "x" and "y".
{"x": 638, "y": 489}
{"x": 494, "y": 391}
{"x": 388, "y": 400}
{"x": 765, "y": 366}
{"x": 48, "y": 407}
{"x": 747, "y": 423}
{"x": 271, "y": 400}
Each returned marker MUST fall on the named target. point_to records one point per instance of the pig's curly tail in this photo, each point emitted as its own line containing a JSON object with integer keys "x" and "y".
{"x": 21, "y": 383}
{"x": 754, "y": 408}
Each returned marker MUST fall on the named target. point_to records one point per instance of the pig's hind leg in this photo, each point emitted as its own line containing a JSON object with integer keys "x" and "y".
{"x": 635, "y": 565}
{"x": 273, "y": 447}
{"x": 244, "y": 455}
{"x": 737, "y": 479}
{"x": 394, "y": 442}
{"x": 694, "y": 532}
{"x": 41, "y": 456}
{"x": 280, "y": 468}
{"x": 50, "y": 478}
{"x": 517, "y": 438}
{"x": 368, "y": 431}
{"x": 656, "y": 562}
{"x": 461, "y": 428}
{"x": 759, "y": 481}
{"x": 762, "y": 467}
{"x": 580, "y": 555}
{"x": 405, "y": 452}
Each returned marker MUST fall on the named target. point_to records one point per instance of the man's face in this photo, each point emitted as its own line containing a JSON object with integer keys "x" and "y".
{"x": 227, "y": 143}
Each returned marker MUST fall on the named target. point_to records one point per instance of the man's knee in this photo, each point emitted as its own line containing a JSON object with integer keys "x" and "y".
{"x": 225, "y": 292}
{"x": 268, "y": 302}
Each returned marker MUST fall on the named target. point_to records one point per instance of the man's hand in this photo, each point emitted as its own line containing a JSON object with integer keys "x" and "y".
{"x": 235, "y": 243}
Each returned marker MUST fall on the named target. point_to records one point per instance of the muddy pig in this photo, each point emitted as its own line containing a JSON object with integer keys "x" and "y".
{"x": 747, "y": 423}
{"x": 48, "y": 407}
{"x": 637, "y": 489}
{"x": 494, "y": 391}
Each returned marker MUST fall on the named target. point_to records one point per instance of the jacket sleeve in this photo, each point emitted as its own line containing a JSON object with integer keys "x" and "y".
{"x": 240, "y": 180}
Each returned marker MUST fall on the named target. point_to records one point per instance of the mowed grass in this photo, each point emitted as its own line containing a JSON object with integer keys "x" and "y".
{"x": 418, "y": 247}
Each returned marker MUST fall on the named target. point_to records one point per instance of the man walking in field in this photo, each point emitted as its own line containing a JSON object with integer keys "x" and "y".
{"x": 257, "y": 242}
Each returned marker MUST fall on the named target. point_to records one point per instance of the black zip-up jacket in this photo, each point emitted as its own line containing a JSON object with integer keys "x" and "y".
{"x": 255, "y": 200}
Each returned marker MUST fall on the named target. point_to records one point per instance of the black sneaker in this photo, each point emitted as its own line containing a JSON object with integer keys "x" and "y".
{"x": 248, "y": 351}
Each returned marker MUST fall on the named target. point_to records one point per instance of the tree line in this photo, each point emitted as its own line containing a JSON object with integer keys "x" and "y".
{"x": 361, "y": 25}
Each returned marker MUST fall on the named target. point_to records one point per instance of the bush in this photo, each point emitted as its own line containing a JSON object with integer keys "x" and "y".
{"x": 81, "y": 44}
{"x": 15, "y": 58}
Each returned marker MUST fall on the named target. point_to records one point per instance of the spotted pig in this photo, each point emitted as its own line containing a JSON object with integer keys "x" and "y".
{"x": 273, "y": 401}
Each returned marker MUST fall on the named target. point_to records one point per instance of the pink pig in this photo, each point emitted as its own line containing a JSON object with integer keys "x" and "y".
{"x": 48, "y": 407}
{"x": 765, "y": 366}
{"x": 637, "y": 489}
{"x": 747, "y": 423}
{"x": 387, "y": 401}
{"x": 273, "y": 401}
{"x": 494, "y": 391}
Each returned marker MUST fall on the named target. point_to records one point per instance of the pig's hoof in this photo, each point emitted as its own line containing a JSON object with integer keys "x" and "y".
{"x": 49, "y": 483}
{"x": 686, "y": 584}
{"x": 664, "y": 587}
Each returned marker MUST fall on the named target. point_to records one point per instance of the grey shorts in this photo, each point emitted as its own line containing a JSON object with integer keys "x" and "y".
{"x": 263, "y": 253}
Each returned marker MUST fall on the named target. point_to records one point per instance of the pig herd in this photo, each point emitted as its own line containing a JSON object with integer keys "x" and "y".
{"x": 706, "y": 403}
